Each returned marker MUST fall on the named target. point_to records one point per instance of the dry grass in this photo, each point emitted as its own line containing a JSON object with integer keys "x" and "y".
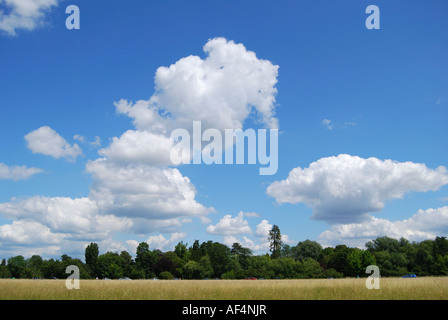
{"x": 434, "y": 288}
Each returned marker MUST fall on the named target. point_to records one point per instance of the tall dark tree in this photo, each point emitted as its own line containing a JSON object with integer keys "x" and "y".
{"x": 34, "y": 265}
{"x": 195, "y": 251}
{"x": 219, "y": 258}
{"x": 275, "y": 240}
{"x": 91, "y": 255}
{"x": 145, "y": 259}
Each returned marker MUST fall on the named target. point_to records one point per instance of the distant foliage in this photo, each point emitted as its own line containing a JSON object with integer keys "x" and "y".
{"x": 207, "y": 260}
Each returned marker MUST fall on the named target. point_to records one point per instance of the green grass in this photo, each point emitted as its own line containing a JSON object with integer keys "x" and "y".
{"x": 434, "y": 288}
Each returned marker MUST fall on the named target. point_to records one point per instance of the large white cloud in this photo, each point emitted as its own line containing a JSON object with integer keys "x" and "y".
{"x": 17, "y": 172}
{"x": 47, "y": 141}
{"x": 346, "y": 188}
{"x": 221, "y": 91}
{"x": 23, "y": 14}
{"x": 138, "y": 190}
{"x": 77, "y": 218}
{"x": 26, "y": 232}
{"x": 53, "y": 226}
{"x": 425, "y": 224}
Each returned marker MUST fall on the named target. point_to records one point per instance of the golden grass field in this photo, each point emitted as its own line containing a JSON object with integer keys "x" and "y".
{"x": 433, "y": 288}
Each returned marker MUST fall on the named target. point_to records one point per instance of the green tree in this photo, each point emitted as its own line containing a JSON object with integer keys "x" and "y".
{"x": 354, "y": 265}
{"x": 110, "y": 265}
{"x": 384, "y": 244}
{"x": 260, "y": 267}
{"x": 219, "y": 258}
{"x": 4, "y": 271}
{"x": 275, "y": 241}
{"x": 16, "y": 265}
{"x": 284, "y": 268}
{"x": 181, "y": 251}
{"x": 67, "y": 261}
{"x": 169, "y": 261}
{"x": 326, "y": 256}
{"x": 441, "y": 265}
{"x": 191, "y": 270}
{"x": 242, "y": 254}
{"x": 338, "y": 259}
{"x": 34, "y": 266}
{"x": 51, "y": 268}
{"x": 286, "y": 251}
{"x": 307, "y": 249}
{"x": 440, "y": 247}
{"x": 91, "y": 256}
{"x": 205, "y": 267}
{"x": 310, "y": 269}
{"x": 424, "y": 259}
{"x": 146, "y": 259}
{"x": 357, "y": 261}
{"x": 129, "y": 269}
{"x": 126, "y": 257}
{"x": 195, "y": 251}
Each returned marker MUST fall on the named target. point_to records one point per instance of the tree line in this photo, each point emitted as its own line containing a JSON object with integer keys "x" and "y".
{"x": 307, "y": 259}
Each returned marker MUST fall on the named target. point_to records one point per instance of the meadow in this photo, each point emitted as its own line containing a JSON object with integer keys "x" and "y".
{"x": 425, "y": 288}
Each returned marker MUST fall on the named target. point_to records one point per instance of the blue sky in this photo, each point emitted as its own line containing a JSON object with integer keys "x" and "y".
{"x": 361, "y": 114}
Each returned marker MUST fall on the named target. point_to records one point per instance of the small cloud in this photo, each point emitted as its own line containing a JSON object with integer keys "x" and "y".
{"x": 250, "y": 214}
{"x": 327, "y": 123}
{"x": 17, "y": 172}
{"x": 348, "y": 124}
{"x": 94, "y": 143}
{"x": 79, "y": 138}
{"x": 48, "y": 142}
{"x": 205, "y": 220}
{"x": 330, "y": 124}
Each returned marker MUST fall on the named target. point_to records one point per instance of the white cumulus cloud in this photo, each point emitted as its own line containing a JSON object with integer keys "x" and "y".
{"x": 138, "y": 190}
{"x": 221, "y": 91}
{"x": 24, "y": 232}
{"x": 66, "y": 215}
{"x": 47, "y": 141}
{"x": 346, "y": 188}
